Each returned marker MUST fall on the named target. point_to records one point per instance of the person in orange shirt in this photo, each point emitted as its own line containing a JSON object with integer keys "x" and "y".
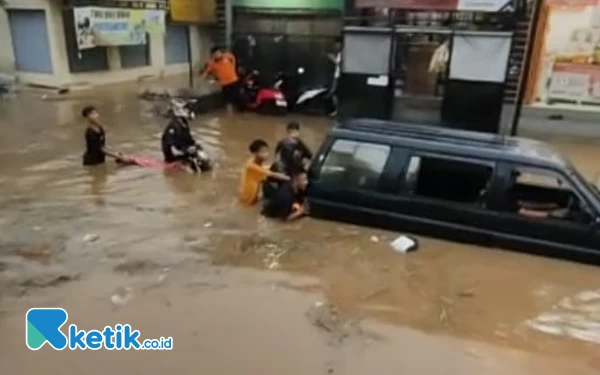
{"x": 255, "y": 173}
{"x": 222, "y": 66}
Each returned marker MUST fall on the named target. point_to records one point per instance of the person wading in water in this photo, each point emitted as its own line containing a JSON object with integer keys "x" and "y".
{"x": 222, "y": 66}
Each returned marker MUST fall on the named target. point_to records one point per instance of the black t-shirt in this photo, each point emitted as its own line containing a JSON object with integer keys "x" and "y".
{"x": 271, "y": 185}
{"x": 95, "y": 140}
{"x": 291, "y": 152}
{"x": 178, "y": 135}
{"x": 280, "y": 205}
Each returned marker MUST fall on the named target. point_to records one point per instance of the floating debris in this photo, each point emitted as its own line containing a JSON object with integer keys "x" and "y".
{"x": 137, "y": 266}
{"x": 405, "y": 244}
{"x": 91, "y": 237}
{"x": 122, "y": 296}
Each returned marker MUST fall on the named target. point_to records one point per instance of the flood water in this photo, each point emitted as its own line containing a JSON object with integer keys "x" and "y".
{"x": 174, "y": 255}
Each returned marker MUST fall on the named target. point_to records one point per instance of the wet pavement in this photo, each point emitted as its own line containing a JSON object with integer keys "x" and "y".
{"x": 174, "y": 255}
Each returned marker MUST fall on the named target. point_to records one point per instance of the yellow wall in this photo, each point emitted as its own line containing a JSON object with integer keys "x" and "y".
{"x": 193, "y": 11}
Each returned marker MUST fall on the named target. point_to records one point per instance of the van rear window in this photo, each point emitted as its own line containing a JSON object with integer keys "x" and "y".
{"x": 354, "y": 164}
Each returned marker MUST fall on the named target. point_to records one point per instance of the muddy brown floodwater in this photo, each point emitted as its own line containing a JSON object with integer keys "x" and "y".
{"x": 174, "y": 255}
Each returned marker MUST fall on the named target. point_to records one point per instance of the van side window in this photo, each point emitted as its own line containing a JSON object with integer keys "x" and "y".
{"x": 448, "y": 179}
{"x": 544, "y": 195}
{"x": 355, "y": 164}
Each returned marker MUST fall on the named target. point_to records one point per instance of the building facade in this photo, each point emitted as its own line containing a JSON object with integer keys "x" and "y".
{"x": 41, "y": 43}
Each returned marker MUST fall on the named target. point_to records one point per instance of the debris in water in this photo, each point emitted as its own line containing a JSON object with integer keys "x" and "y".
{"x": 271, "y": 259}
{"x": 325, "y": 316}
{"x": 91, "y": 237}
{"x": 468, "y": 292}
{"x": 42, "y": 250}
{"x": 122, "y": 296}
{"x": 405, "y": 244}
{"x": 208, "y": 225}
{"x": 48, "y": 281}
{"x": 374, "y": 239}
{"x": 137, "y": 266}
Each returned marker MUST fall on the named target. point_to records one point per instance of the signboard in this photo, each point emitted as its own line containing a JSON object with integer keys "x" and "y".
{"x": 95, "y": 26}
{"x": 193, "y": 11}
{"x": 570, "y": 68}
{"x": 579, "y": 82}
{"x": 441, "y": 5}
{"x": 291, "y": 4}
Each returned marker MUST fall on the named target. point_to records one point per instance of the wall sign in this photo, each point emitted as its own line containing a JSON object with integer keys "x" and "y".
{"x": 441, "y": 5}
{"x": 95, "y": 26}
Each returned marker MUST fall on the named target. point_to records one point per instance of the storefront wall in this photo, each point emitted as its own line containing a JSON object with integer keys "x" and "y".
{"x": 127, "y": 66}
{"x": 567, "y": 65}
{"x": 7, "y": 57}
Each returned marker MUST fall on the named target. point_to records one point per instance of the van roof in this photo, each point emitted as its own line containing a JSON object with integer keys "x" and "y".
{"x": 486, "y": 144}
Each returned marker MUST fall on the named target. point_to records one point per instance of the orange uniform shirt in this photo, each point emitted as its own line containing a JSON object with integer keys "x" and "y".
{"x": 253, "y": 176}
{"x": 223, "y": 69}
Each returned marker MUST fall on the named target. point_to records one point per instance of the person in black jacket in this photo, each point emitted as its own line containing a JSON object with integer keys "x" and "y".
{"x": 292, "y": 152}
{"x": 178, "y": 144}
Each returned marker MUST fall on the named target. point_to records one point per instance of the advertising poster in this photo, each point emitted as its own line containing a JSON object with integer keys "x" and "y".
{"x": 571, "y": 56}
{"x": 441, "y": 5}
{"x": 96, "y": 26}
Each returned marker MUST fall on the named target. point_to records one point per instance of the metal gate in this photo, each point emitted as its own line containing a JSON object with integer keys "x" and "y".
{"x": 275, "y": 43}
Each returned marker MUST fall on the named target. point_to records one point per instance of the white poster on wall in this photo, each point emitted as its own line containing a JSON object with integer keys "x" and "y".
{"x": 480, "y": 58}
{"x": 493, "y": 6}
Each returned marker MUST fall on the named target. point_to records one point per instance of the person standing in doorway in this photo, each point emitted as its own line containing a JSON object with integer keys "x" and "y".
{"x": 336, "y": 58}
{"x": 222, "y": 66}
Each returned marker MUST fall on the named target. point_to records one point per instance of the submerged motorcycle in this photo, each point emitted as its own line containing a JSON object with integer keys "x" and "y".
{"x": 287, "y": 93}
{"x": 306, "y": 98}
{"x": 257, "y": 94}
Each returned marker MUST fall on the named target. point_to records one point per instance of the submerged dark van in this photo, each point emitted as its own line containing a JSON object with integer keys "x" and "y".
{"x": 470, "y": 187}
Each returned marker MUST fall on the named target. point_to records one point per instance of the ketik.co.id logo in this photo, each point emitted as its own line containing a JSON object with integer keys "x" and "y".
{"x": 43, "y": 326}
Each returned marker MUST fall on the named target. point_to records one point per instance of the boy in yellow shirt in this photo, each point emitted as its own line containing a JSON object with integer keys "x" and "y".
{"x": 255, "y": 173}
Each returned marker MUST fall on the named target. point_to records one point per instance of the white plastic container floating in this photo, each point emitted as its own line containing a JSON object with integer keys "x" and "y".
{"x": 405, "y": 244}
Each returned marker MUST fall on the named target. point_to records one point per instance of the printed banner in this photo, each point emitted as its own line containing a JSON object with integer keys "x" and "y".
{"x": 96, "y": 26}
{"x": 441, "y": 5}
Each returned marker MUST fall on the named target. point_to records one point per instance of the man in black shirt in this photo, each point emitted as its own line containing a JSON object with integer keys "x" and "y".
{"x": 287, "y": 202}
{"x": 293, "y": 153}
{"x": 95, "y": 138}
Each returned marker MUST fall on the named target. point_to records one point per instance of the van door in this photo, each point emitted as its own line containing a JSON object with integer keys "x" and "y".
{"x": 543, "y": 210}
{"x": 446, "y": 196}
{"x": 345, "y": 180}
